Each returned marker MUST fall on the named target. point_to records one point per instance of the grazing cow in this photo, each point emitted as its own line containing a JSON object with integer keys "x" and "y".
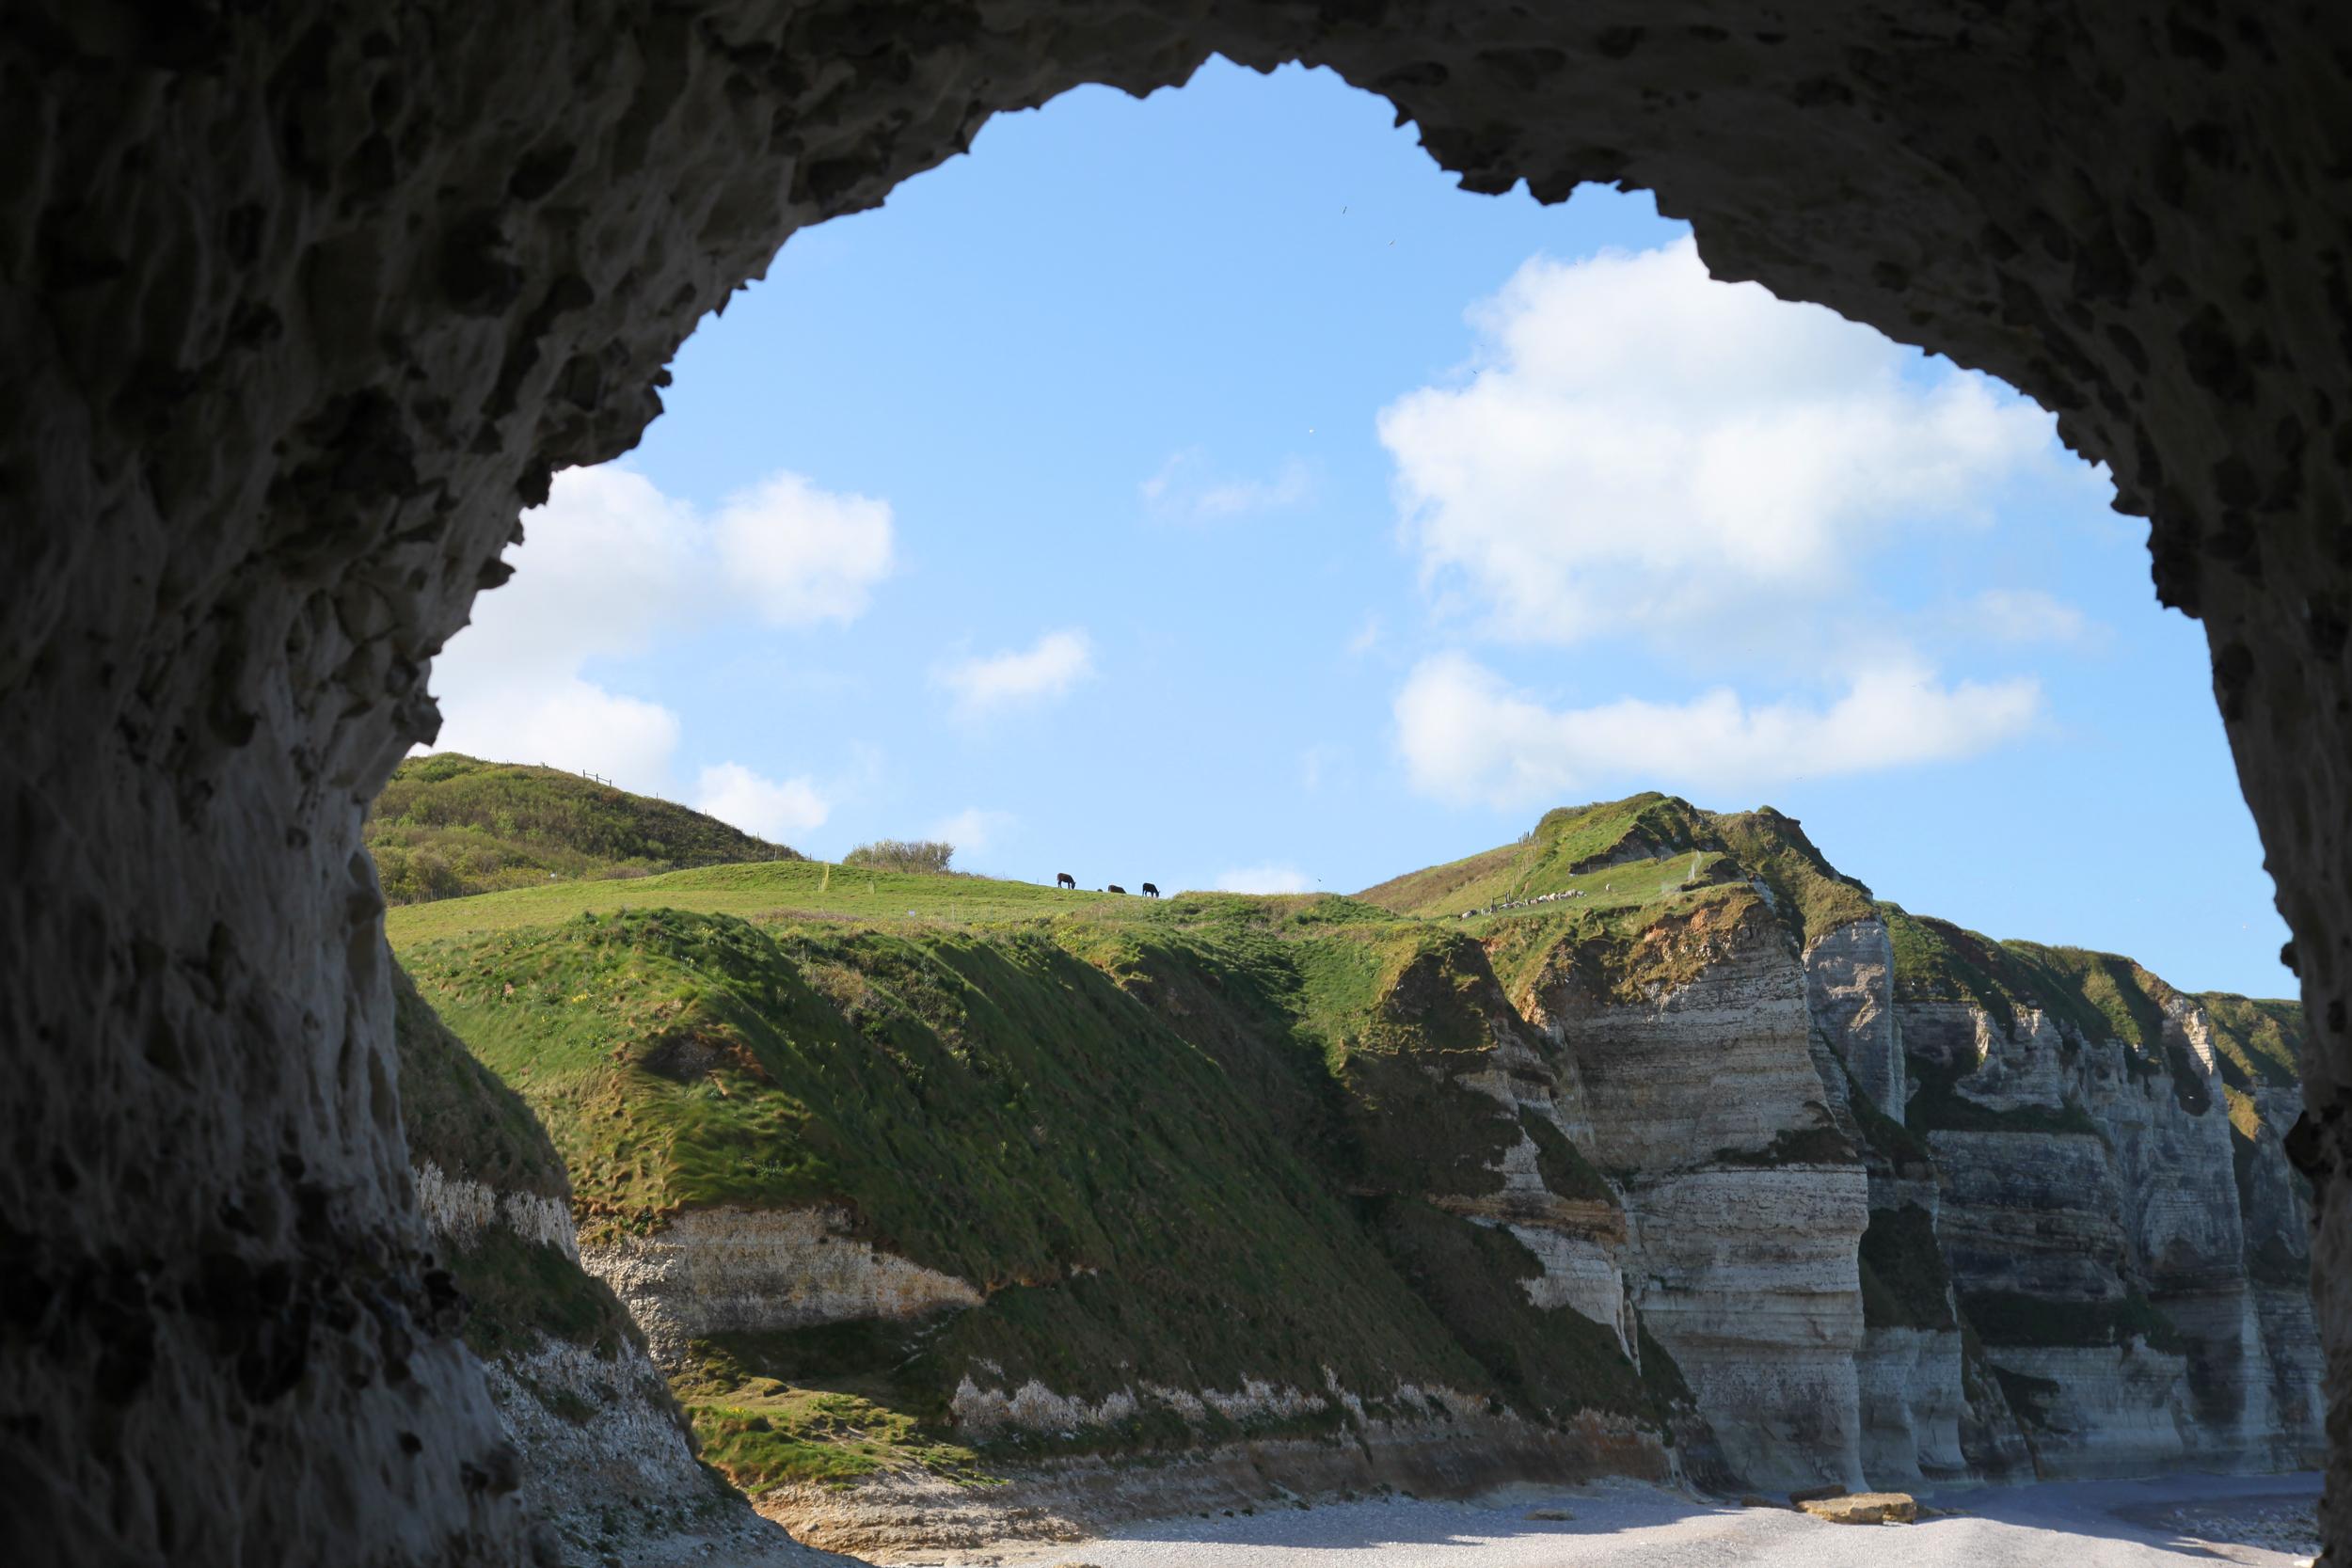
{"x": 1114, "y": 888}
{"x": 1150, "y": 892}
{"x": 1063, "y": 879}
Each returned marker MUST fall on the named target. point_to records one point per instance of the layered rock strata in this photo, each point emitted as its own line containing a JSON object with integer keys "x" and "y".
{"x": 716, "y": 1271}
{"x": 1744, "y": 1204}
{"x": 606, "y": 1472}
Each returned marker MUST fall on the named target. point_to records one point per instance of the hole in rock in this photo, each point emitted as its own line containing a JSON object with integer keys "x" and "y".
{"x": 1198, "y": 494}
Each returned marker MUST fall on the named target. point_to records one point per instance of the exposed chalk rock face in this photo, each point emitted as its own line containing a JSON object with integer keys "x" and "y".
{"x": 1579, "y": 1241}
{"x": 1742, "y": 1247}
{"x": 2097, "y": 1410}
{"x": 1913, "y": 1402}
{"x": 1717, "y": 1065}
{"x": 2274, "y": 1204}
{"x": 2095, "y": 1219}
{"x": 2032, "y": 1212}
{"x": 291, "y": 342}
{"x": 458, "y": 1211}
{"x": 1849, "y": 987}
{"x": 716, "y": 1271}
{"x": 606, "y": 1463}
{"x": 1747, "y": 1276}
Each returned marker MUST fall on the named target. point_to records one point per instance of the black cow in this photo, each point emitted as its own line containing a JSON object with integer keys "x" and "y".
{"x": 1063, "y": 879}
{"x": 1150, "y": 892}
{"x": 1114, "y": 888}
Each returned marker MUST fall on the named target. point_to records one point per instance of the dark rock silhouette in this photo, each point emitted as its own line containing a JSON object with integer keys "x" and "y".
{"x": 291, "y": 342}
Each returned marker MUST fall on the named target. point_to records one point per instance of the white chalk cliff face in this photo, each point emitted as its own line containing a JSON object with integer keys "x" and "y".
{"x": 715, "y": 1271}
{"x": 2095, "y": 1217}
{"x": 608, "y": 1472}
{"x": 1744, "y": 1205}
{"x": 2133, "y": 1271}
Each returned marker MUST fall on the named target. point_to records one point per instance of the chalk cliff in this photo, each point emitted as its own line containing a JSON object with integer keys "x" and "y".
{"x": 1649, "y": 1144}
{"x": 607, "y": 1464}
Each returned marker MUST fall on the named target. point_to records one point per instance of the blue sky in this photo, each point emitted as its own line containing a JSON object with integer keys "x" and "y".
{"x": 1203, "y": 490}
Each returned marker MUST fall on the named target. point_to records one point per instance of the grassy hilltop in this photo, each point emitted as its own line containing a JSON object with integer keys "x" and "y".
{"x": 1191, "y": 1142}
{"x": 448, "y": 826}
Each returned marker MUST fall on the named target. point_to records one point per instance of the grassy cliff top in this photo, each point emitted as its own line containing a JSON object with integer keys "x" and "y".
{"x": 448, "y": 826}
{"x": 1637, "y": 851}
{"x": 2259, "y": 1042}
{"x": 1589, "y": 848}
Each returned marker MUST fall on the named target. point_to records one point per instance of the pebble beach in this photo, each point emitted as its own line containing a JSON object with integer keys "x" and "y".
{"x": 2258, "y": 1521}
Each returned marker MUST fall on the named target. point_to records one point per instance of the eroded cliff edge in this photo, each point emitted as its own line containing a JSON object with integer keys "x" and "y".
{"x": 606, "y": 1458}
{"x": 1648, "y": 1145}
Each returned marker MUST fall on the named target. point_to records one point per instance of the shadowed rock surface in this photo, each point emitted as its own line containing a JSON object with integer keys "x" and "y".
{"x": 305, "y": 300}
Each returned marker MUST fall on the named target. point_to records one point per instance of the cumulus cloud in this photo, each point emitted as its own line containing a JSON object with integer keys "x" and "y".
{"x": 1636, "y": 445}
{"x": 779, "y": 810}
{"x": 565, "y": 721}
{"x": 801, "y": 555}
{"x": 1466, "y": 735}
{"x": 609, "y": 567}
{"x": 1047, "y": 669}
{"x": 1186, "y": 488}
{"x": 1264, "y": 878}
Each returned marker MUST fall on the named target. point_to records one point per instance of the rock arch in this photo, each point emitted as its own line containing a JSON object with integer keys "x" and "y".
{"x": 306, "y": 298}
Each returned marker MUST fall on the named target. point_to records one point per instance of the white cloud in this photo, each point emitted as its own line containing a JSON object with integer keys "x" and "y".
{"x": 1184, "y": 488}
{"x": 565, "y": 721}
{"x": 1640, "y": 446}
{"x": 803, "y": 555}
{"x": 1046, "y": 670}
{"x": 1367, "y": 636}
{"x": 777, "y": 810}
{"x": 610, "y": 566}
{"x": 1264, "y": 878}
{"x": 972, "y": 829}
{"x": 2021, "y": 616}
{"x": 1466, "y": 735}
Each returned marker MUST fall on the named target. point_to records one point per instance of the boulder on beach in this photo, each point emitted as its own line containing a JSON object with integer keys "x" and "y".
{"x": 1865, "y": 1507}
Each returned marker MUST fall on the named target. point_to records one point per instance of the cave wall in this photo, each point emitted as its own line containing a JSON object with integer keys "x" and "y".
{"x": 305, "y": 299}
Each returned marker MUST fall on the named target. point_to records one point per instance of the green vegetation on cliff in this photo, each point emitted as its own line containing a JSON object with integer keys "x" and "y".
{"x": 1813, "y": 896}
{"x": 1187, "y": 1145}
{"x": 446, "y": 826}
{"x": 2094, "y": 997}
{"x": 1904, "y": 1282}
{"x": 1207, "y": 1143}
{"x": 1938, "y": 1104}
{"x": 1613, "y": 853}
{"x": 469, "y": 1125}
{"x": 2258, "y": 1042}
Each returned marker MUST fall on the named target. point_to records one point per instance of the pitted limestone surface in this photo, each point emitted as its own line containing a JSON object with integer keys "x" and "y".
{"x": 304, "y": 299}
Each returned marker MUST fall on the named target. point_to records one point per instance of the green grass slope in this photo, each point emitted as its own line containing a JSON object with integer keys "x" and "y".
{"x": 462, "y": 1119}
{"x": 446, "y": 826}
{"x": 1188, "y": 1144}
{"x": 2260, "y": 1042}
{"x": 1614, "y": 852}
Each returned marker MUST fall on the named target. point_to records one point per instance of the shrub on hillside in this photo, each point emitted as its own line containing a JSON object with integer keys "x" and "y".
{"x": 902, "y": 854}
